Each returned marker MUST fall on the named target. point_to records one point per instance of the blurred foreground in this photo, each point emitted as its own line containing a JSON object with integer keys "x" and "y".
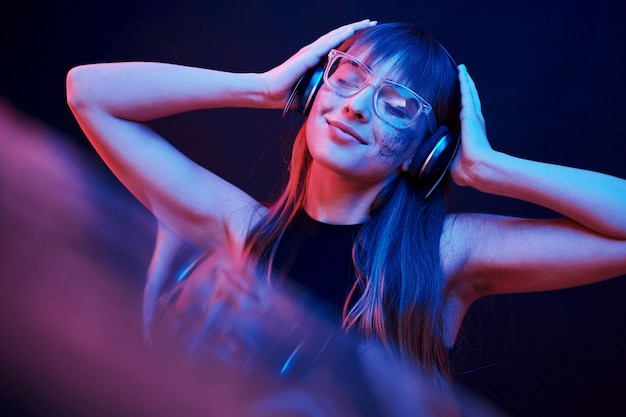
{"x": 74, "y": 250}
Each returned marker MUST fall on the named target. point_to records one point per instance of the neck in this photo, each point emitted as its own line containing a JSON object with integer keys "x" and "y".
{"x": 332, "y": 198}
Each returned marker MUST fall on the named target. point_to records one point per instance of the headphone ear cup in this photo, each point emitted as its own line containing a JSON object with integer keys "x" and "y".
{"x": 307, "y": 87}
{"x": 433, "y": 157}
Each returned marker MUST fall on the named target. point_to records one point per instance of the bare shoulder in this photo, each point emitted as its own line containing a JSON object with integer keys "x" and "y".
{"x": 457, "y": 240}
{"x": 466, "y": 235}
{"x": 460, "y": 233}
{"x": 462, "y": 243}
{"x": 218, "y": 211}
{"x": 484, "y": 254}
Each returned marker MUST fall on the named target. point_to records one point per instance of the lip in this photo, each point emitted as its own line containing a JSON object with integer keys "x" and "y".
{"x": 346, "y": 129}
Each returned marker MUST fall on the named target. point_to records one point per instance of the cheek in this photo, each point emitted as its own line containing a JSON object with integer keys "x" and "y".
{"x": 324, "y": 101}
{"x": 396, "y": 146}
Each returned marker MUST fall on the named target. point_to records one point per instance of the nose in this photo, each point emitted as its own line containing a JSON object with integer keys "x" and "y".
{"x": 360, "y": 106}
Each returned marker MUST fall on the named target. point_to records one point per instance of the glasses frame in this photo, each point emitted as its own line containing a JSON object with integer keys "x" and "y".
{"x": 378, "y": 83}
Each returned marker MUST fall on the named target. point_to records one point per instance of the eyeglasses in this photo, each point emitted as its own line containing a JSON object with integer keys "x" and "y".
{"x": 394, "y": 103}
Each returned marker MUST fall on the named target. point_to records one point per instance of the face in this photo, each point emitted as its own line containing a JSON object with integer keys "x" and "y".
{"x": 347, "y": 136}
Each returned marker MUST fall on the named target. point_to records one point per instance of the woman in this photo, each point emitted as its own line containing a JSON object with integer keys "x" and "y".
{"x": 417, "y": 268}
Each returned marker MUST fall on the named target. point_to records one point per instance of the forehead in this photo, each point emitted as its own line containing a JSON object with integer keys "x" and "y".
{"x": 388, "y": 67}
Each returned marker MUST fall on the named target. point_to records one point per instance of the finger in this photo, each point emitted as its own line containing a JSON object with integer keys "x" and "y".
{"x": 466, "y": 94}
{"x": 335, "y": 37}
{"x": 348, "y": 30}
{"x": 469, "y": 93}
{"x": 474, "y": 92}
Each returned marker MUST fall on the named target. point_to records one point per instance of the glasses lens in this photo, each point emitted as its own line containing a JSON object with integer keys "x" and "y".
{"x": 346, "y": 76}
{"x": 394, "y": 103}
{"x": 397, "y": 105}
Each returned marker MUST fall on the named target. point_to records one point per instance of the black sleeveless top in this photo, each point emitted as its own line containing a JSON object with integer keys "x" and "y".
{"x": 317, "y": 257}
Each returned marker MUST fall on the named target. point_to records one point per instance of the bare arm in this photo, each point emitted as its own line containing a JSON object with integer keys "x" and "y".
{"x": 494, "y": 254}
{"x": 111, "y": 102}
{"x": 596, "y": 201}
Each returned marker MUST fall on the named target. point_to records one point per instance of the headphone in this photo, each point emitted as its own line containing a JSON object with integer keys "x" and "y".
{"x": 431, "y": 160}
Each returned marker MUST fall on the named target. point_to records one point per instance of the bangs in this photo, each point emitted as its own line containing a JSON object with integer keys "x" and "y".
{"x": 419, "y": 62}
{"x": 408, "y": 60}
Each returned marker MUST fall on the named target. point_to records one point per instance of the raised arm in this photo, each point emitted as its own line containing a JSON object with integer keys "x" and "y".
{"x": 111, "y": 102}
{"x": 495, "y": 254}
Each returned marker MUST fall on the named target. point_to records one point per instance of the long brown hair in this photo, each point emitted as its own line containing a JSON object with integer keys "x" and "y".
{"x": 400, "y": 284}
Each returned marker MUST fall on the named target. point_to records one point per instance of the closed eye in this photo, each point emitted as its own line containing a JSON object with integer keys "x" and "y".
{"x": 396, "y": 111}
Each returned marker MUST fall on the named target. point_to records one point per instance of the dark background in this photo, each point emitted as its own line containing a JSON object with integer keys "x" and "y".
{"x": 551, "y": 79}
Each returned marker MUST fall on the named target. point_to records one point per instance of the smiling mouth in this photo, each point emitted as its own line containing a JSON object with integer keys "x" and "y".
{"x": 346, "y": 130}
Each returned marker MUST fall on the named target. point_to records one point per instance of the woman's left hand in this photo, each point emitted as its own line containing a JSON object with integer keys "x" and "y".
{"x": 475, "y": 149}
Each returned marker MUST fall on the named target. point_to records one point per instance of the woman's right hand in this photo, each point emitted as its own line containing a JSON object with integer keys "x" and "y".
{"x": 280, "y": 80}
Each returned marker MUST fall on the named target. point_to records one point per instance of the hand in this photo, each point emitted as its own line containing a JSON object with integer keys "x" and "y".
{"x": 280, "y": 80}
{"x": 475, "y": 149}
{"x": 217, "y": 285}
